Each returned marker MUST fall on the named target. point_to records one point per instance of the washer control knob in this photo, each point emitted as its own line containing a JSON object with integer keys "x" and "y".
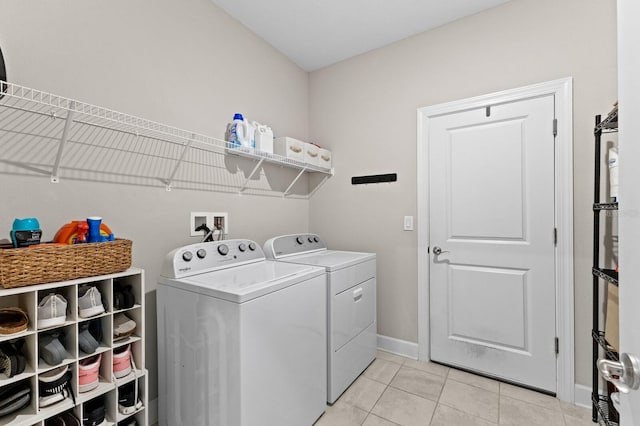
{"x": 223, "y": 249}
{"x": 202, "y": 253}
{"x": 310, "y": 240}
{"x": 242, "y": 247}
{"x": 316, "y": 239}
{"x": 252, "y": 246}
{"x": 300, "y": 240}
{"x": 187, "y": 256}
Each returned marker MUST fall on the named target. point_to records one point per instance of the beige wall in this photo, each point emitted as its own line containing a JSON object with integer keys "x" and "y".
{"x": 188, "y": 64}
{"x": 364, "y": 109}
{"x": 183, "y": 63}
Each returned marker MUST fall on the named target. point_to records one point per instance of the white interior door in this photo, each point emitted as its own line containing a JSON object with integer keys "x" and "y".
{"x": 491, "y": 198}
{"x": 629, "y": 213}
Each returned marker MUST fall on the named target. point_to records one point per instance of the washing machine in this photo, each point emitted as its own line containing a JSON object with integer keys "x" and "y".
{"x": 241, "y": 339}
{"x": 351, "y": 303}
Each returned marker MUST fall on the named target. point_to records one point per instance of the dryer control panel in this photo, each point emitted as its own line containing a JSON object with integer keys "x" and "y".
{"x": 210, "y": 256}
{"x": 287, "y": 245}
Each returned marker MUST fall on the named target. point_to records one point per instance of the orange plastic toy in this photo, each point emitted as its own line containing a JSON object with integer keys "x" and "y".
{"x": 75, "y": 232}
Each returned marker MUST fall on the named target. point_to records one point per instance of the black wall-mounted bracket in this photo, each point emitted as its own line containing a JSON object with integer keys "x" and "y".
{"x": 360, "y": 180}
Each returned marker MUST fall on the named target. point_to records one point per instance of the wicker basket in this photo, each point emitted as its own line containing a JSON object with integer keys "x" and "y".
{"x": 22, "y": 267}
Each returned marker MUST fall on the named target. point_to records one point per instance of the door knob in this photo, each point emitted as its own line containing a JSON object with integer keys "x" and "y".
{"x": 627, "y": 371}
{"x": 437, "y": 250}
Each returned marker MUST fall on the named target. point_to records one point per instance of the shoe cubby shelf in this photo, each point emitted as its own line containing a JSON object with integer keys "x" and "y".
{"x": 122, "y": 298}
{"x": 76, "y": 140}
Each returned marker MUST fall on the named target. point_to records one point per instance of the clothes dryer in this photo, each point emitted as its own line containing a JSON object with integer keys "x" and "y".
{"x": 241, "y": 339}
{"x": 351, "y": 303}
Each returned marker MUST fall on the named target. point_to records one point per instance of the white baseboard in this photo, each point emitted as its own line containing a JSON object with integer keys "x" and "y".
{"x": 398, "y": 347}
{"x": 152, "y": 413}
{"x": 582, "y": 396}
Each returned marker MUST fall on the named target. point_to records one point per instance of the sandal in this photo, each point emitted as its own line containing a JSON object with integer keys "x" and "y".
{"x": 13, "y": 320}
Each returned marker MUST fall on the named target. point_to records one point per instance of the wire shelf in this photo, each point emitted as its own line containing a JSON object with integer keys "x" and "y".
{"x": 609, "y": 275}
{"x": 47, "y": 134}
{"x": 610, "y": 123}
{"x": 605, "y": 206}
{"x": 609, "y": 350}
{"x": 601, "y": 403}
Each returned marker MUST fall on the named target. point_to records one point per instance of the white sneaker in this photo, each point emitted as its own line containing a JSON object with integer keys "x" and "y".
{"x": 54, "y": 386}
{"x": 90, "y": 302}
{"x": 52, "y": 311}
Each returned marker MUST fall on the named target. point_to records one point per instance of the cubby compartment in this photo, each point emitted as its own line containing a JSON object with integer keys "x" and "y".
{"x": 131, "y": 397}
{"x": 71, "y": 351}
{"x": 127, "y": 293}
{"x": 94, "y": 336}
{"x": 26, "y": 346}
{"x": 56, "y": 347}
{"x": 49, "y": 309}
{"x": 94, "y": 299}
{"x": 22, "y": 415}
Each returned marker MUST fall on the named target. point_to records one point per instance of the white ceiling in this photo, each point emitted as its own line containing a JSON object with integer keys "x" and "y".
{"x": 317, "y": 33}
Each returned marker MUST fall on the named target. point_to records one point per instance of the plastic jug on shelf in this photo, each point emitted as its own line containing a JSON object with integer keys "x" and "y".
{"x": 263, "y": 137}
{"x": 239, "y": 132}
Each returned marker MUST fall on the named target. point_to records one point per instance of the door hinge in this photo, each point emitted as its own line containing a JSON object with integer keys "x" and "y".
{"x": 555, "y": 236}
{"x": 555, "y": 127}
{"x": 557, "y": 345}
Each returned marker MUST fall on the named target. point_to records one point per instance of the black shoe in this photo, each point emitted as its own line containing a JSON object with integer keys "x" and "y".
{"x": 14, "y": 397}
{"x": 12, "y": 361}
{"x": 128, "y": 402}
{"x": 123, "y": 297}
{"x": 63, "y": 419}
{"x": 94, "y": 413}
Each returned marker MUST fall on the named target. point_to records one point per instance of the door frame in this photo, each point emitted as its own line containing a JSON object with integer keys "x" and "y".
{"x": 562, "y": 89}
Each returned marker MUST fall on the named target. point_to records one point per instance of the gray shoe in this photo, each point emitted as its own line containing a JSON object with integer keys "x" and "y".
{"x": 88, "y": 344}
{"x": 90, "y": 302}
{"x": 50, "y": 349}
{"x": 52, "y": 311}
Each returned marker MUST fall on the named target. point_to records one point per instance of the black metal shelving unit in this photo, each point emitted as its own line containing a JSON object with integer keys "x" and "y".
{"x": 603, "y": 411}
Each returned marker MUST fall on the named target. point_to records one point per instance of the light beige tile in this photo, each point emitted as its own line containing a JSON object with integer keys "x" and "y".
{"x": 577, "y": 421}
{"x": 373, "y": 420}
{"x": 382, "y": 371}
{"x": 363, "y": 393}
{"x": 447, "y": 416}
{"x": 341, "y": 414}
{"x": 530, "y": 396}
{"x": 575, "y": 410}
{"x": 474, "y": 380}
{"x": 514, "y": 412}
{"x": 429, "y": 367}
{"x": 470, "y": 399}
{"x": 388, "y": 356}
{"x": 418, "y": 382}
{"x": 404, "y": 408}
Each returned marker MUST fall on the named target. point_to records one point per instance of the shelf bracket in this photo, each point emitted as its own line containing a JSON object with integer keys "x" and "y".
{"x": 169, "y": 180}
{"x": 253, "y": 172}
{"x": 324, "y": 179}
{"x": 286, "y": 192}
{"x": 63, "y": 141}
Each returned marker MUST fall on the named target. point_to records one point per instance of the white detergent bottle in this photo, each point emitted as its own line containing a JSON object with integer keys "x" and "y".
{"x": 263, "y": 137}
{"x": 239, "y": 133}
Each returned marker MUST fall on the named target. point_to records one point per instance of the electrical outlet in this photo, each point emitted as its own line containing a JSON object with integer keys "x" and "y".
{"x": 213, "y": 220}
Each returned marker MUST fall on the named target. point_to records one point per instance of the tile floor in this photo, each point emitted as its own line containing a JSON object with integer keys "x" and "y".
{"x": 400, "y": 391}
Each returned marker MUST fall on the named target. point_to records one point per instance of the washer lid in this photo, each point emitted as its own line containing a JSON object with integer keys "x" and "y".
{"x": 246, "y": 282}
{"x": 331, "y": 260}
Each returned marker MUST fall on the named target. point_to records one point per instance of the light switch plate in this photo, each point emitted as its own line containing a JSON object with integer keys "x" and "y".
{"x": 408, "y": 223}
